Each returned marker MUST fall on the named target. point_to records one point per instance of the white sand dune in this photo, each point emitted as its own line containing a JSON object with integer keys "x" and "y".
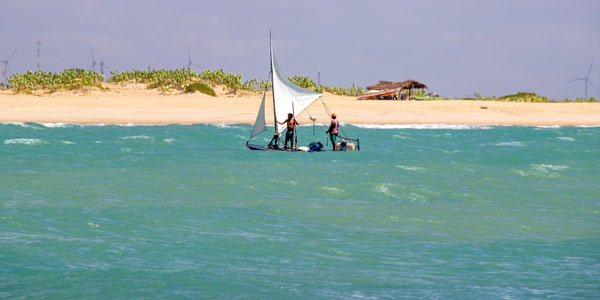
{"x": 133, "y": 103}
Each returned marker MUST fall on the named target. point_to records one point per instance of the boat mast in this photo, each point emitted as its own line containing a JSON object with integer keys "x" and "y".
{"x": 272, "y": 82}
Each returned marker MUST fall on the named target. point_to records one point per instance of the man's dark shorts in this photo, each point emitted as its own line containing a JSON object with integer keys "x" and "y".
{"x": 289, "y": 135}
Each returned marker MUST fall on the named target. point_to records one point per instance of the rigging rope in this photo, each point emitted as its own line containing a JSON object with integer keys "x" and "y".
{"x": 329, "y": 113}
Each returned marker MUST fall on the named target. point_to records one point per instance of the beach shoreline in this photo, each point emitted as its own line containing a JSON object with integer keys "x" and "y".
{"x": 133, "y": 104}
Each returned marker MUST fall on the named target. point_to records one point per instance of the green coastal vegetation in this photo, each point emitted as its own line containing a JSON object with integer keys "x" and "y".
{"x": 69, "y": 79}
{"x": 307, "y": 83}
{"x": 186, "y": 80}
{"x": 201, "y": 87}
{"x": 165, "y": 80}
{"x": 527, "y": 97}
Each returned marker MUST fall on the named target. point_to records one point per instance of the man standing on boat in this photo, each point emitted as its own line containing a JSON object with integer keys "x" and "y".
{"x": 333, "y": 130}
{"x": 289, "y": 135}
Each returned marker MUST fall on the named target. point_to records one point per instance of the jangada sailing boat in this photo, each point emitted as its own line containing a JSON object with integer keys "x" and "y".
{"x": 290, "y": 98}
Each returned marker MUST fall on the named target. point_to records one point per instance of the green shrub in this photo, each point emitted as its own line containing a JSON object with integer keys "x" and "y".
{"x": 161, "y": 79}
{"x": 303, "y": 81}
{"x": 200, "y": 87}
{"x": 164, "y": 80}
{"x": 69, "y": 79}
{"x": 523, "y": 97}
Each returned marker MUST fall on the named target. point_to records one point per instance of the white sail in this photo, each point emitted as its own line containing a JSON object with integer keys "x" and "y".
{"x": 260, "y": 125}
{"x": 285, "y": 93}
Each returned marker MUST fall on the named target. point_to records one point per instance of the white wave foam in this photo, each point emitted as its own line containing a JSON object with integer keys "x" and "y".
{"x": 22, "y": 124}
{"x": 93, "y": 225}
{"x": 513, "y": 144}
{"x": 134, "y": 125}
{"x": 565, "y": 138}
{"x": 123, "y": 125}
{"x": 542, "y": 170}
{"x": 168, "y": 140}
{"x": 551, "y": 127}
{"x": 223, "y": 125}
{"x": 138, "y": 137}
{"x": 332, "y": 189}
{"x": 67, "y": 125}
{"x": 401, "y": 137}
{"x": 382, "y": 189}
{"x": 409, "y": 168}
{"x": 316, "y": 124}
{"x": 58, "y": 125}
{"x": 422, "y": 126}
{"x": 14, "y": 123}
{"x": 522, "y": 173}
{"x": 67, "y": 142}
{"x": 290, "y": 182}
{"x": 545, "y": 167}
{"x": 23, "y": 141}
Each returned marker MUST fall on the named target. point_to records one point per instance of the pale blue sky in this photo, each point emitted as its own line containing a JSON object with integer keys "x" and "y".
{"x": 456, "y": 47}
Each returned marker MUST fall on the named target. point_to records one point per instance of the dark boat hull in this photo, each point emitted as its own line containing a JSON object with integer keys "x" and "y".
{"x": 266, "y": 148}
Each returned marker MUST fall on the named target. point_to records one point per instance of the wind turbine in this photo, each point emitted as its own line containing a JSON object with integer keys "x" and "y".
{"x": 6, "y": 66}
{"x": 190, "y": 63}
{"x": 103, "y": 66}
{"x": 587, "y": 81}
{"x": 94, "y": 63}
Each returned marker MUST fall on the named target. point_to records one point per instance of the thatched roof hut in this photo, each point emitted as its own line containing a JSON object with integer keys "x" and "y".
{"x": 413, "y": 84}
{"x": 385, "y": 85}
{"x": 391, "y": 90}
{"x": 405, "y": 85}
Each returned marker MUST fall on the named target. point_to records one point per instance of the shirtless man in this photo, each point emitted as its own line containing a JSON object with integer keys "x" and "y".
{"x": 333, "y": 130}
{"x": 289, "y": 134}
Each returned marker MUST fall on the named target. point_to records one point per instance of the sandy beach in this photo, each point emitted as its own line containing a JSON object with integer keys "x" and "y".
{"x": 133, "y": 103}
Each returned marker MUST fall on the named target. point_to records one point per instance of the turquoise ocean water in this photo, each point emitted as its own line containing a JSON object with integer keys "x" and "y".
{"x": 447, "y": 212}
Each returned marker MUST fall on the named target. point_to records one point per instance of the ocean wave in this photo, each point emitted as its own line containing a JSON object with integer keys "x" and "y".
{"x": 316, "y": 124}
{"x": 545, "y": 167}
{"x": 411, "y": 168}
{"x": 542, "y": 170}
{"x": 168, "y": 140}
{"x": 125, "y": 125}
{"x": 67, "y": 142}
{"x": 422, "y": 126}
{"x": 401, "y": 137}
{"x": 513, "y": 144}
{"x": 14, "y": 123}
{"x": 68, "y": 125}
{"x": 93, "y": 225}
{"x": 138, "y": 137}
{"x": 565, "y": 138}
{"x": 223, "y": 125}
{"x": 333, "y": 190}
{"x": 134, "y": 125}
{"x": 58, "y": 125}
{"x": 285, "y": 182}
{"x": 543, "y": 127}
{"x": 23, "y": 124}
{"x": 23, "y": 141}
{"x": 381, "y": 188}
